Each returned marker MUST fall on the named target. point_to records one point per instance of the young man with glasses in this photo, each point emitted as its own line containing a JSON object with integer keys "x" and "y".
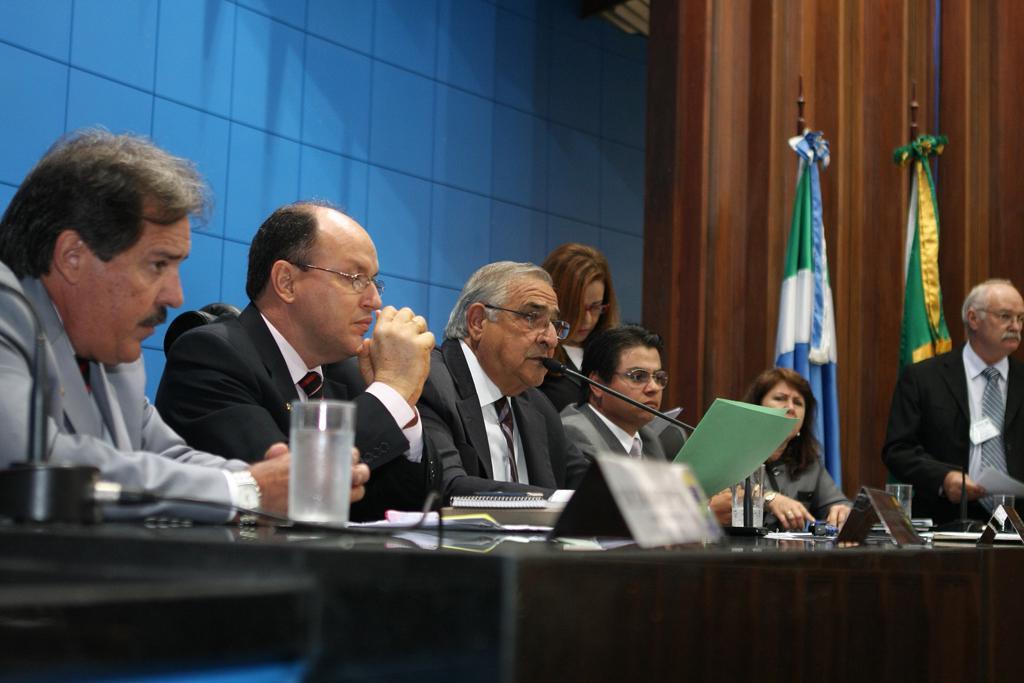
{"x": 627, "y": 359}
{"x": 961, "y": 411}
{"x": 485, "y": 421}
{"x": 312, "y": 281}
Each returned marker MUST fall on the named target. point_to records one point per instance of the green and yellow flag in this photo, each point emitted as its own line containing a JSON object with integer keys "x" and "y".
{"x": 923, "y": 333}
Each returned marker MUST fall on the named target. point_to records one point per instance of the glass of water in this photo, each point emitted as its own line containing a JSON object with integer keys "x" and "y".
{"x": 904, "y": 494}
{"x": 322, "y": 435}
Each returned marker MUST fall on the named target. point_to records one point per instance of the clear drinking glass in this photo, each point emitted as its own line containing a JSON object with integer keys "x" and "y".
{"x": 322, "y": 436}
{"x": 904, "y": 494}
{"x": 757, "y": 478}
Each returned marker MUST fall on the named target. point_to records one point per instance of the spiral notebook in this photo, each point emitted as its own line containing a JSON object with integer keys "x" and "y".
{"x": 504, "y": 502}
{"x": 506, "y": 508}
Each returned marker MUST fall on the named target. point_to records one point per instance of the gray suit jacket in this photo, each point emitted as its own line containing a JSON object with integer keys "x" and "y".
{"x": 146, "y": 454}
{"x": 590, "y": 434}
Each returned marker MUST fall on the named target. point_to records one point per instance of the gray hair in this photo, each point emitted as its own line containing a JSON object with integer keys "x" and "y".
{"x": 103, "y": 186}
{"x": 978, "y": 297}
{"x": 490, "y": 284}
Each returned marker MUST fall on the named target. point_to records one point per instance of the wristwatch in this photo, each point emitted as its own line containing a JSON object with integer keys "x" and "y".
{"x": 248, "y": 495}
{"x": 769, "y": 496}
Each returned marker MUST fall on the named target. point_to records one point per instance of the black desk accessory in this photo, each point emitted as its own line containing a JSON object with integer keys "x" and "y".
{"x": 965, "y": 523}
{"x": 873, "y": 506}
{"x": 996, "y": 521}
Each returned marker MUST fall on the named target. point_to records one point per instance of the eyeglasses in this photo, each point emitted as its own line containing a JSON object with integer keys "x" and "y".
{"x": 1005, "y": 317}
{"x": 536, "y": 321}
{"x": 641, "y": 377}
{"x": 596, "y": 309}
{"x": 359, "y": 282}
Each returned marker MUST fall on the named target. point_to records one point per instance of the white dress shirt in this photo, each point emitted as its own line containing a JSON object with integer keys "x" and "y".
{"x": 487, "y": 392}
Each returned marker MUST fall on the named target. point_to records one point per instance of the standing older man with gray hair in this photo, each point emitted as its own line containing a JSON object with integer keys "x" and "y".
{"x": 482, "y": 414}
{"x": 961, "y": 410}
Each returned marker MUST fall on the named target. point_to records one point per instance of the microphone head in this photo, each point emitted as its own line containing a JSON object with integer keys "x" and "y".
{"x": 552, "y": 365}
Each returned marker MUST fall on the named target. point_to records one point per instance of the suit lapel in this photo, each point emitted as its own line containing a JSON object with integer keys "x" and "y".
{"x": 533, "y": 434}
{"x": 76, "y": 402}
{"x": 1014, "y": 393}
{"x": 468, "y": 403}
{"x": 955, "y": 377}
{"x": 270, "y": 355}
{"x": 610, "y": 441}
{"x": 109, "y": 408}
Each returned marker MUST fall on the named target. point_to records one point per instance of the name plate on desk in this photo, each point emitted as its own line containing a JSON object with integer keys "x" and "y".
{"x": 997, "y": 525}
{"x": 654, "y": 503}
{"x": 875, "y": 505}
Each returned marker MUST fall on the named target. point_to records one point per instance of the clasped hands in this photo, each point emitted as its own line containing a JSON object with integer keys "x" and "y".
{"x": 398, "y": 353}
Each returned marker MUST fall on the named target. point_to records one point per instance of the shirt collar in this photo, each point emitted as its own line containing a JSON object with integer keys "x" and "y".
{"x": 486, "y": 390}
{"x": 624, "y": 438}
{"x": 975, "y": 365}
{"x": 296, "y": 368}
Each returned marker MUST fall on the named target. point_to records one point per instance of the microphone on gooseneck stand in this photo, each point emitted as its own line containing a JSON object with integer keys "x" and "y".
{"x": 554, "y": 366}
{"x": 964, "y": 523}
{"x": 34, "y": 490}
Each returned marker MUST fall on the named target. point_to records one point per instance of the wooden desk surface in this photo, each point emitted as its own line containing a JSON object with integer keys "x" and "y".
{"x": 362, "y": 607}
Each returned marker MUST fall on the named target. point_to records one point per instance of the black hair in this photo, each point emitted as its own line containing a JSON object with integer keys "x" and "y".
{"x": 288, "y": 234}
{"x": 604, "y": 350}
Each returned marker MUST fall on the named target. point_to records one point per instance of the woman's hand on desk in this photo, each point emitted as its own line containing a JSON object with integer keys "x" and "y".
{"x": 790, "y": 513}
{"x": 837, "y": 515}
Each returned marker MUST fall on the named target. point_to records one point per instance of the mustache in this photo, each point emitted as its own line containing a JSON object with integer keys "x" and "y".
{"x": 157, "y": 318}
{"x": 1012, "y": 335}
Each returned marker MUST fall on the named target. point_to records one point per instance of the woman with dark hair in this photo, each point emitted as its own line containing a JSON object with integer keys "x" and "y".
{"x": 586, "y": 300}
{"x": 799, "y": 489}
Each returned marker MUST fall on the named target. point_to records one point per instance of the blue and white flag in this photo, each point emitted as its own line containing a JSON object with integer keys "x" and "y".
{"x": 806, "y": 337}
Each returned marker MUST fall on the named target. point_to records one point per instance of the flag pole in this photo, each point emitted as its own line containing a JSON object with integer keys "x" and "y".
{"x": 800, "y": 122}
{"x": 913, "y": 110}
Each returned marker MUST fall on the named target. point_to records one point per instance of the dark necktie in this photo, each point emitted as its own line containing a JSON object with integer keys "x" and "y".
{"x": 504, "y": 409}
{"x": 313, "y": 385}
{"x": 83, "y": 367}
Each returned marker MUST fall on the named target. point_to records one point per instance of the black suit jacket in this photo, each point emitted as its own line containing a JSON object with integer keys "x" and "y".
{"x": 929, "y": 430}
{"x": 453, "y": 425}
{"x": 562, "y": 389}
{"x": 226, "y": 389}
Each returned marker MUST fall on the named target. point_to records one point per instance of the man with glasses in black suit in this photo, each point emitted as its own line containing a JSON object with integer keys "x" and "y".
{"x": 314, "y": 290}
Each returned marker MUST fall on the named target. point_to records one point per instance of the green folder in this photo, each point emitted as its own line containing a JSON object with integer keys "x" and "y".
{"x": 731, "y": 441}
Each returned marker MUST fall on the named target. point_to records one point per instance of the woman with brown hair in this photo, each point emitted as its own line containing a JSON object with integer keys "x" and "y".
{"x": 587, "y": 302}
{"x": 799, "y": 489}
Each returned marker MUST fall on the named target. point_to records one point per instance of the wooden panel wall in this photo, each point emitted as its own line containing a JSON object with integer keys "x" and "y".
{"x": 722, "y": 85}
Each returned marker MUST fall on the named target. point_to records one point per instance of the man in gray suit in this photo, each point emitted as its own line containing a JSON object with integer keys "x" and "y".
{"x": 94, "y": 238}
{"x": 628, "y": 359}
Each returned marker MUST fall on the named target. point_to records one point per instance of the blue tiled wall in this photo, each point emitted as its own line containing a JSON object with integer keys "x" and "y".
{"x": 457, "y": 131}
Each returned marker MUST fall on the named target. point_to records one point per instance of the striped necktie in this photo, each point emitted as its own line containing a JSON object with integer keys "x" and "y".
{"x": 504, "y": 410}
{"x": 313, "y": 385}
{"x": 992, "y": 453}
{"x": 636, "y": 450}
